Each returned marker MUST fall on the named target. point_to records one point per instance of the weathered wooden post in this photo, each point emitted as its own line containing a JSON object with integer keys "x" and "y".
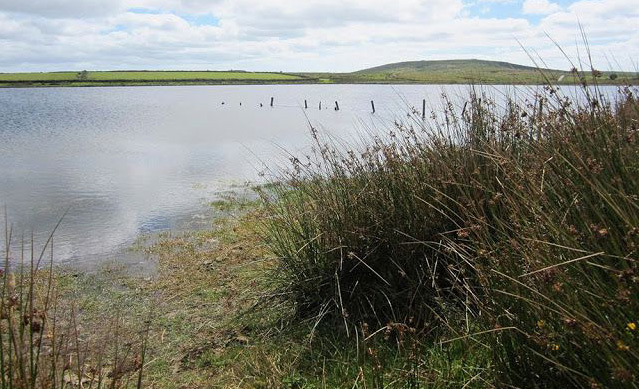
{"x": 336, "y": 106}
{"x": 423, "y": 109}
{"x": 320, "y": 106}
{"x": 305, "y": 104}
{"x": 272, "y": 101}
{"x": 373, "y": 105}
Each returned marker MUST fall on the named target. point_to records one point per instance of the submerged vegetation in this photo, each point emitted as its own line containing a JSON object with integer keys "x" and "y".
{"x": 490, "y": 245}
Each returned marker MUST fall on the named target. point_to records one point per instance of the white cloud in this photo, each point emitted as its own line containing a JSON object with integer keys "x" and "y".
{"x": 63, "y": 8}
{"x": 315, "y": 35}
{"x": 539, "y": 7}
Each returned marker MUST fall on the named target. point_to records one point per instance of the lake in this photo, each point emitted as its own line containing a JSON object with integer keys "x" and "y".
{"x": 130, "y": 161}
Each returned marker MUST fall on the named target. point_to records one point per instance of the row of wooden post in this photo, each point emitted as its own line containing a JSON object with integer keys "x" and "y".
{"x": 372, "y": 106}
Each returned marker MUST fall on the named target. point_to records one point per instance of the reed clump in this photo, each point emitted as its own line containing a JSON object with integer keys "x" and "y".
{"x": 513, "y": 225}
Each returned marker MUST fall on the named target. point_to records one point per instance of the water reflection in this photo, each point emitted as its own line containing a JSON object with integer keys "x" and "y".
{"x": 126, "y": 161}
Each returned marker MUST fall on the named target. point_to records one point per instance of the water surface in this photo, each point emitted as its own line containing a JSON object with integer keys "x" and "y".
{"x": 127, "y": 161}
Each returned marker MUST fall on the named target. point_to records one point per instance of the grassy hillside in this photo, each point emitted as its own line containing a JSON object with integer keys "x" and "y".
{"x": 461, "y": 72}
{"x": 448, "y": 65}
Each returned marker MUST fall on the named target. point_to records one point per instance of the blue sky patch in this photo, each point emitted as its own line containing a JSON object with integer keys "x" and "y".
{"x": 199, "y": 19}
{"x": 507, "y": 9}
{"x": 486, "y": 9}
{"x": 205, "y": 19}
{"x": 145, "y": 11}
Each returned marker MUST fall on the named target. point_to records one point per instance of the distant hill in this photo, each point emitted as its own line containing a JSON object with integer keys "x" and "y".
{"x": 447, "y": 66}
{"x": 458, "y": 71}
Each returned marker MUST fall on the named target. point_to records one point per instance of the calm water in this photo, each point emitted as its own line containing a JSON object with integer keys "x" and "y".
{"x": 131, "y": 161}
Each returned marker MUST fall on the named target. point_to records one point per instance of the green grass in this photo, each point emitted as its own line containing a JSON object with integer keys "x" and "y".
{"x": 189, "y": 76}
{"x": 146, "y": 76}
{"x": 61, "y": 76}
{"x": 100, "y": 78}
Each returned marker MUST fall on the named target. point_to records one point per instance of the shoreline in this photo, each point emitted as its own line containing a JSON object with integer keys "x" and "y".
{"x": 172, "y": 325}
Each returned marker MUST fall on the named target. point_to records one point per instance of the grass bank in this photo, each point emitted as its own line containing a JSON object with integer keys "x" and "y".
{"x": 187, "y": 326}
{"x": 211, "y": 317}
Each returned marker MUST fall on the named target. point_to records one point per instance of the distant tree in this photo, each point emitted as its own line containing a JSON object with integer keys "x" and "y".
{"x": 83, "y": 75}
{"x": 613, "y": 76}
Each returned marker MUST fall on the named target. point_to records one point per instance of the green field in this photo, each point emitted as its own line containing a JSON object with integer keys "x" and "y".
{"x": 415, "y": 72}
{"x": 133, "y": 77}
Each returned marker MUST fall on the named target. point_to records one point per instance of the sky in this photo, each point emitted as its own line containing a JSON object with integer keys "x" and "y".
{"x": 312, "y": 35}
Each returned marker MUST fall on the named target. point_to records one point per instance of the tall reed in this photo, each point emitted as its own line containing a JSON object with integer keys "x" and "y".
{"x": 43, "y": 343}
{"x": 515, "y": 225}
